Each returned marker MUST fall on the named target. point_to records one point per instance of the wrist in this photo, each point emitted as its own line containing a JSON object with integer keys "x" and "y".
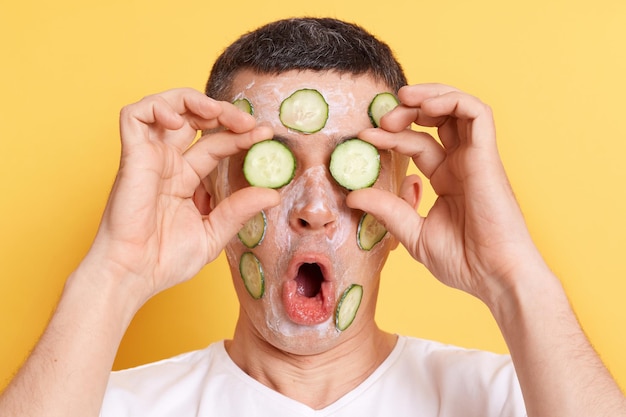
{"x": 103, "y": 284}
{"x": 531, "y": 294}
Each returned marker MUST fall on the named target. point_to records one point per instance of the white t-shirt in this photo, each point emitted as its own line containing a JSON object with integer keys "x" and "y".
{"x": 419, "y": 378}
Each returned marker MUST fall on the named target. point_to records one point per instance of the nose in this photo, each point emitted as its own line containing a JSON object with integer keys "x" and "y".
{"x": 315, "y": 208}
{"x": 314, "y": 214}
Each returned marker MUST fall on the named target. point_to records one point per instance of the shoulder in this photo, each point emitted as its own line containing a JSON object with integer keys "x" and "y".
{"x": 442, "y": 362}
{"x": 435, "y": 354}
{"x": 486, "y": 381}
{"x": 159, "y": 384}
{"x": 173, "y": 367}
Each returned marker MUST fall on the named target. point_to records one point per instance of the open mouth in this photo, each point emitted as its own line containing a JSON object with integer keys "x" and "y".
{"x": 309, "y": 280}
{"x": 309, "y": 296}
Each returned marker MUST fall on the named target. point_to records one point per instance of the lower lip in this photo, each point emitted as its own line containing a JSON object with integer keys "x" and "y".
{"x": 309, "y": 311}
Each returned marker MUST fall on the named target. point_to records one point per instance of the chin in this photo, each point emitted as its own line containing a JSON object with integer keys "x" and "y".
{"x": 305, "y": 341}
{"x": 298, "y": 339}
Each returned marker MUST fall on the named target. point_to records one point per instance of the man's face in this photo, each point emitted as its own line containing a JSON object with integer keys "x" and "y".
{"x": 309, "y": 254}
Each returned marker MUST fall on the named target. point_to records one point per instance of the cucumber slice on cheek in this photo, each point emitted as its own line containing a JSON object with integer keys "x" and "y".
{"x": 304, "y": 111}
{"x": 355, "y": 164}
{"x": 348, "y": 306}
{"x": 252, "y": 275}
{"x": 269, "y": 164}
{"x": 369, "y": 232}
{"x": 253, "y": 232}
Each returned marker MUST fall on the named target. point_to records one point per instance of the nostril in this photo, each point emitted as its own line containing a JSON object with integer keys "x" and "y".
{"x": 303, "y": 223}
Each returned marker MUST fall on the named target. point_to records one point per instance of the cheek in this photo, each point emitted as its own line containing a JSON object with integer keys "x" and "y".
{"x": 236, "y": 180}
{"x": 388, "y": 179}
{"x": 229, "y": 177}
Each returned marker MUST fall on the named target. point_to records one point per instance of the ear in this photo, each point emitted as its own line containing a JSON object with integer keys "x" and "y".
{"x": 202, "y": 199}
{"x": 411, "y": 190}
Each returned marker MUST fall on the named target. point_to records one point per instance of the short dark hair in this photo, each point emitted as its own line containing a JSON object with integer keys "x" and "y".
{"x": 318, "y": 44}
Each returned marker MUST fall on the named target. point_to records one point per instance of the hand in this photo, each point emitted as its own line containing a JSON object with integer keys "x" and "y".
{"x": 474, "y": 238}
{"x": 151, "y": 229}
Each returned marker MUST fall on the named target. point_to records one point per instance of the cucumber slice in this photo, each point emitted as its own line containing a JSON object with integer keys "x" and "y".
{"x": 253, "y": 232}
{"x": 355, "y": 164}
{"x": 304, "y": 111}
{"x": 369, "y": 232}
{"x": 269, "y": 164}
{"x": 381, "y": 104}
{"x": 252, "y": 275}
{"x": 348, "y": 306}
{"x": 244, "y": 104}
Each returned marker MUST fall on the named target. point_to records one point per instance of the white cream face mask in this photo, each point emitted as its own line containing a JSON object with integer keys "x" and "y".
{"x": 291, "y": 251}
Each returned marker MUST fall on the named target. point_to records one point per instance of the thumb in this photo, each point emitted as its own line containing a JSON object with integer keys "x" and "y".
{"x": 229, "y": 216}
{"x": 397, "y": 215}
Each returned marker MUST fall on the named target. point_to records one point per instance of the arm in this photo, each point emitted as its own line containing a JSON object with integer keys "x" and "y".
{"x": 475, "y": 239}
{"x": 152, "y": 236}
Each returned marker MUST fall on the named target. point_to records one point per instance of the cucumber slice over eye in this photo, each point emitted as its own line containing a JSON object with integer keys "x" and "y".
{"x": 304, "y": 111}
{"x": 252, "y": 275}
{"x": 269, "y": 164}
{"x": 369, "y": 232}
{"x": 244, "y": 104}
{"x": 381, "y": 104}
{"x": 348, "y": 306}
{"x": 253, "y": 232}
{"x": 355, "y": 164}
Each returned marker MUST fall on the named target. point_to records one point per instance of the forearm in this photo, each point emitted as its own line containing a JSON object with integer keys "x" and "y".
{"x": 67, "y": 372}
{"x": 559, "y": 371}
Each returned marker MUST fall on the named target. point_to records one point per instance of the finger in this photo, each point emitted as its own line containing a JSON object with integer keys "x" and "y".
{"x": 414, "y": 95}
{"x": 411, "y": 98}
{"x": 454, "y": 103}
{"x": 167, "y": 111}
{"x": 437, "y": 102}
{"x": 177, "y": 101}
{"x": 205, "y": 154}
{"x": 136, "y": 118}
{"x": 458, "y": 115}
{"x": 234, "y": 119}
{"x": 203, "y": 112}
{"x": 232, "y": 213}
{"x": 400, "y": 118}
{"x": 398, "y": 216}
{"x": 403, "y": 116}
{"x": 469, "y": 119}
{"x": 421, "y": 147}
{"x": 172, "y": 109}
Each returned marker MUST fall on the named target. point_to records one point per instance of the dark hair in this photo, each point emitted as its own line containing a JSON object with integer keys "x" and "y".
{"x": 318, "y": 44}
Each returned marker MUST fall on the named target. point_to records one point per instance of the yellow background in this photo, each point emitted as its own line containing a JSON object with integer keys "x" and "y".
{"x": 552, "y": 71}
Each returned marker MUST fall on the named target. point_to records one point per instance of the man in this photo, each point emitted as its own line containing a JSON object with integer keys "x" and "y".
{"x": 175, "y": 206}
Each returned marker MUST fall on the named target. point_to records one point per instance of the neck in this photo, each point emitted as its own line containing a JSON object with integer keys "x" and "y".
{"x": 316, "y": 380}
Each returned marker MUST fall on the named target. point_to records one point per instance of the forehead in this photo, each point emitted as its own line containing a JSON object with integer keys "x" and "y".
{"x": 348, "y": 97}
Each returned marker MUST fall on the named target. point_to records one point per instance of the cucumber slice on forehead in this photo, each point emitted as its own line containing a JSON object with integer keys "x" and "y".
{"x": 381, "y": 104}
{"x": 369, "y": 232}
{"x": 304, "y": 111}
{"x": 355, "y": 164}
{"x": 244, "y": 105}
{"x": 348, "y": 306}
{"x": 269, "y": 164}
{"x": 252, "y": 275}
{"x": 253, "y": 232}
